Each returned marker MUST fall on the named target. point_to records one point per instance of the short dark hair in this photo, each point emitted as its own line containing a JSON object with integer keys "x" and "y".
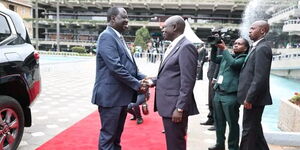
{"x": 113, "y": 11}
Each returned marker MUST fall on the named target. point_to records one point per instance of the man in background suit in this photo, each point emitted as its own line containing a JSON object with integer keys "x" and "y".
{"x": 174, "y": 98}
{"x": 212, "y": 74}
{"x": 117, "y": 79}
{"x": 202, "y": 58}
{"x": 254, "y": 88}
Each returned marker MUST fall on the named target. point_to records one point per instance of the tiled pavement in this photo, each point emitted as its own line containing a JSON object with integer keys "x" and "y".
{"x": 65, "y": 99}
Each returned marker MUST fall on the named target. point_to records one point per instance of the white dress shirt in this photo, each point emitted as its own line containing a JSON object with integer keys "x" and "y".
{"x": 254, "y": 44}
{"x": 171, "y": 46}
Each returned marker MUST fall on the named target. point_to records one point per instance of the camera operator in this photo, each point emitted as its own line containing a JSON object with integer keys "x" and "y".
{"x": 226, "y": 106}
{"x": 212, "y": 74}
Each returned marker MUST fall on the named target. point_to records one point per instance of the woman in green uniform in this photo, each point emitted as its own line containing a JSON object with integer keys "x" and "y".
{"x": 226, "y": 107}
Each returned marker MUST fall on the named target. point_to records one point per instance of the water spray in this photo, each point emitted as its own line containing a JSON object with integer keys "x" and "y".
{"x": 253, "y": 12}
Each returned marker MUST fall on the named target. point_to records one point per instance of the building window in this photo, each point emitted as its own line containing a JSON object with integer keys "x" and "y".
{"x": 11, "y": 7}
{"x": 23, "y": 11}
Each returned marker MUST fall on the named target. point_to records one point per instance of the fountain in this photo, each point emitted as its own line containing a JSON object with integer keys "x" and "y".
{"x": 257, "y": 10}
{"x": 253, "y": 12}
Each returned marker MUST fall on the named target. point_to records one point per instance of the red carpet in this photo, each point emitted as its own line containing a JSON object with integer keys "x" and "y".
{"x": 84, "y": 134}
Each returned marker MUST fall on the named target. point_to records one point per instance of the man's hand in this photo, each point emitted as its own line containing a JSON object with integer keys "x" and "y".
{"x": 247, "y": 105}
{"x": 148, "y": 81}
{"x": 213, "y": 81}
{"x": 177, "y": 116}
{"x": 144, "y": 87}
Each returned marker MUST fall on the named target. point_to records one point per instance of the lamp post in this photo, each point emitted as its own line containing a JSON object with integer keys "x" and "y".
{"x": 57, "y": 26}
{"x": 36, "y": 26}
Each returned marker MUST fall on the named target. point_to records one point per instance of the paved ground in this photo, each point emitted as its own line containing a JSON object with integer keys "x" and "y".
{"x": 65, "y": 99}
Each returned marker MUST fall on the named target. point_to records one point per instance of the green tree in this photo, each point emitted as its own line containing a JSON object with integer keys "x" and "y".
{"x": 142, "y": 36}
{"x": 78, "y": 49}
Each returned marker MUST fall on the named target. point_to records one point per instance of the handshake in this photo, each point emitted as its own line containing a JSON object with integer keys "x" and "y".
{"x": 145, "y": 84}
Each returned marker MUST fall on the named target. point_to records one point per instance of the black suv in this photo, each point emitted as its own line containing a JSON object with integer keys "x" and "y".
{"x": 20, "y": 80}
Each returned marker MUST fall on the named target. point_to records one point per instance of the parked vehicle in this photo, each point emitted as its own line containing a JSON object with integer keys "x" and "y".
{"x": 20, "y": 81}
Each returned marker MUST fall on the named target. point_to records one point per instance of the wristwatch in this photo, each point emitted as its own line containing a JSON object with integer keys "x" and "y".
{"x": 179, "y": 110}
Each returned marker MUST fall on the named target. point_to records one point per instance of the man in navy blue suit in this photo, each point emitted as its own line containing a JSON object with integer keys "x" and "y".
{"x": 117, "y": 79}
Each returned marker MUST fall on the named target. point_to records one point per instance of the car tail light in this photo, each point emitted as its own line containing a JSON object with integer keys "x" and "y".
{"x": 36, "y": 55}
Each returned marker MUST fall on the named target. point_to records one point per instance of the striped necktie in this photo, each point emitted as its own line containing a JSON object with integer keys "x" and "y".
{"x": 127, "y": 49}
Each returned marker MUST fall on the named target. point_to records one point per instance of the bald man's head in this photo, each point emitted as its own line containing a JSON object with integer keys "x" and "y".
{"x": 258, "y": 30}
{"x": 263, "y": 25}
{"x": 178, "y": 21}
{"x": 173, "y": 27}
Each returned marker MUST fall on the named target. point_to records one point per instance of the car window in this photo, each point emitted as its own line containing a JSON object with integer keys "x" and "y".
{"x": 4, "y": 30}
{"x": 18, "y": 40}
{"x": 20, "y": 27}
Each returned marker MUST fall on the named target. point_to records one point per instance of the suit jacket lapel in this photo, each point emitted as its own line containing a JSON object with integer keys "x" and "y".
{"x": 121, "y": 43}
{"x": 251, "y": 52}
{"x": 174, "y": 50}
{"x": 247, "y": 57}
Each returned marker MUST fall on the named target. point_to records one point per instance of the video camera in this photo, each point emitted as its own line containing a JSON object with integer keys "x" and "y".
{"x": 217, "y": 35}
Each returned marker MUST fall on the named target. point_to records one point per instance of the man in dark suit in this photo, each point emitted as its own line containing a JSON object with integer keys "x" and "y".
{"x": 174, "y": 98}
{"x": 202, "y": 58}
{"x": 117, "y": 79}
{"x": 212, "y": 74}
{"x": 253, "y": 89}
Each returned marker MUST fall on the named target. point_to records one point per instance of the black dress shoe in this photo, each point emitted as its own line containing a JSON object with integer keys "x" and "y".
{"x": 139, "y": 120}
{"x": 208, "y": 122}
{"x": 216, "y": 147}
{"x": 213, "y": 128}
